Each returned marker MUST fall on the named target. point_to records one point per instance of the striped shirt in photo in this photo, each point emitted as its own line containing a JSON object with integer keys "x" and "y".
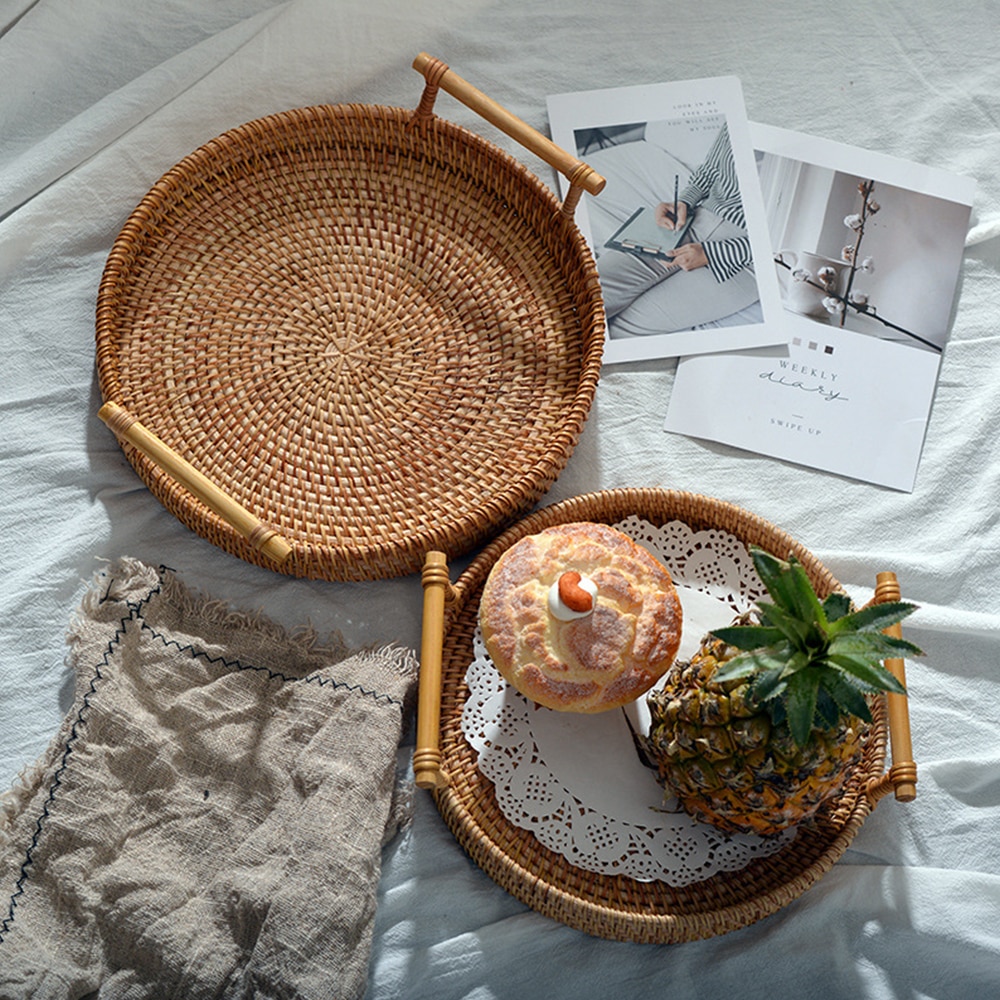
{"x": 715, "y": 186}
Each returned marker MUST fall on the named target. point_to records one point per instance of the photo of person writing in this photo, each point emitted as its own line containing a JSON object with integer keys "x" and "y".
{"x": 712, "y": 270}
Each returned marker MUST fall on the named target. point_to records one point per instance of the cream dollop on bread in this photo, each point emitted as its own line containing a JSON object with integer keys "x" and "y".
{"x": 588, "y": 663}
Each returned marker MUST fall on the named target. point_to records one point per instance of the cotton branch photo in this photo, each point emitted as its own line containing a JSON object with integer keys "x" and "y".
{"x": 827, "y": 277}
{"x": 838, "y": 283}
{"x": 833, "y": 211}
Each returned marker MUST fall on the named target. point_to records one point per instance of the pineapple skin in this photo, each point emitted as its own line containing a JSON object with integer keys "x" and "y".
{"x": 725, "y": 761}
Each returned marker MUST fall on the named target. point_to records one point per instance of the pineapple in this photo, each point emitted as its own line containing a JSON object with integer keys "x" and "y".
{"x": 768, "y": 718}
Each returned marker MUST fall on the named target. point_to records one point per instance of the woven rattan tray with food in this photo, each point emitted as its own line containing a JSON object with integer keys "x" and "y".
{"x": 336, "y": 337}
{"x": 618, "y": 906}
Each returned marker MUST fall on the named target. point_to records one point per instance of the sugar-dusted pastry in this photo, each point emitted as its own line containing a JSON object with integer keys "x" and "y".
{"x": 580, "y": 618}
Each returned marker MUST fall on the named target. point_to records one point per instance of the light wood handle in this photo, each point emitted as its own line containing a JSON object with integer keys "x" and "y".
{"x": 261, "y": 536}
{"x": 427, "y": 771}
{"x": 902, "y": 775}
{"x": 581, "y": 177}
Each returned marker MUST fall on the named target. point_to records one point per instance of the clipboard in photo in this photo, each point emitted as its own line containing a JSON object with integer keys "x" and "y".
{"x": 641, "y": 235}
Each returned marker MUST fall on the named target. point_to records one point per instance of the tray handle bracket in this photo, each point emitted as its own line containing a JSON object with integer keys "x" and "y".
{"x": 262, "y": 536}
{"x": 901, "y": 778}
{"x": 438, "y": 76}
{"x": 438, "y": 591}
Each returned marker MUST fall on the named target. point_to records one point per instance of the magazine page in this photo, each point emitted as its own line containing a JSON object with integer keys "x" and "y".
{"x": 679, "y": 231}
{"x": 867, "y": 250}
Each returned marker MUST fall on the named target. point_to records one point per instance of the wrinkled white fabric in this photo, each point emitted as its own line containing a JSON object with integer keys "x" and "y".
{"x": 99, "y": 97}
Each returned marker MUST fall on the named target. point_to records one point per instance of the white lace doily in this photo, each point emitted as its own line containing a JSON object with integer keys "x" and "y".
{"x": 575, "y": 781}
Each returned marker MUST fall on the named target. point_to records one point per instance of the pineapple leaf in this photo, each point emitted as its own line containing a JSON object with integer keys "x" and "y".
{"x": 788, "y": 585}
{"x": 748, "y": 636}
{"x": 792, "y": 627}
{"x": 811, "y": 661}
{"x": 776, "y": 710}
{"x": 872, "y": 674}
{"x": 757, "y": 661}
{"x": 860, "y": 684}
{"x": 803, "y": 691}
{"x": 811, "y": 607}
{"x": 836, "y": 606}
{"x": 827, "y": 709}
{"x": 769, "y": 568}
{"x": 846, "y": 696}
{"x": 874, "y": 645}
{"x": 769, "y": 685}
{"x": 873, "y": 618}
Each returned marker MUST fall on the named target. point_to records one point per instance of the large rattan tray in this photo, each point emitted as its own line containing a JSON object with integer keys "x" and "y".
{"x": 336, "y": 337}
{"x": 618, "y": 907}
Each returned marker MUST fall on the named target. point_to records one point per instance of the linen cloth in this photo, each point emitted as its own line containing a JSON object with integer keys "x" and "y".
{"x": 98, "y": 98}
{"x": 210, "y": 818}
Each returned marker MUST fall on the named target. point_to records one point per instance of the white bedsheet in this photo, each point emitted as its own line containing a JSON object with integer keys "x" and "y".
{"x": 99, "y": 97}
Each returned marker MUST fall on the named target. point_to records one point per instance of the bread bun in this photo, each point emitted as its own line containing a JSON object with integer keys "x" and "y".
{"x": 555, "y": 650}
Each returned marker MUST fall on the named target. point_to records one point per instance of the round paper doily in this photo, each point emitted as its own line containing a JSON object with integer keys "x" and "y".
{"x": 576, "y": 781}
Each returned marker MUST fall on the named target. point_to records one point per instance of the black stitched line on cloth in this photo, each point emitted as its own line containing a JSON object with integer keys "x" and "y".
{"x": 135, "y": 610}
{"x": 271, "y": 674}
{"x": 136, "y": 613}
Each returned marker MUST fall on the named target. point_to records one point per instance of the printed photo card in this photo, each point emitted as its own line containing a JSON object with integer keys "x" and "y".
{"x": 679, "y": 232}
{"x": 867, "y": 250}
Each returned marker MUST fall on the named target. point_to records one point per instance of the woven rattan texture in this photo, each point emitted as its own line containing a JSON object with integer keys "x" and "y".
{"x": 620, "y": 908}
{"x": 378, "y": 334}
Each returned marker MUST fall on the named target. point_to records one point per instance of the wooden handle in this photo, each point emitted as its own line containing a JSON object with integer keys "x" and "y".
{"x": 261, "y": 536}
{"x": 427, "y": 772}
{"x": 902, "y": 775}
{"x": 437, "y": 74}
